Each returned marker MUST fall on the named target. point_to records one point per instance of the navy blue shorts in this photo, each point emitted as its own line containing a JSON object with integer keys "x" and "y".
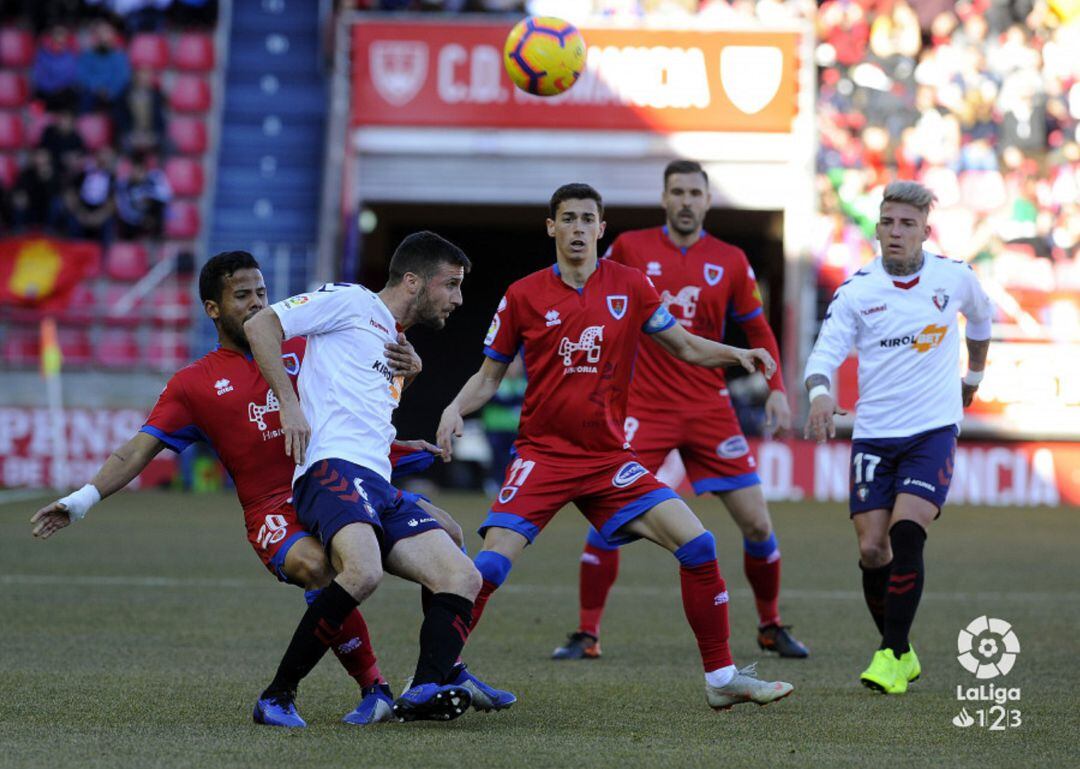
{"x": 921, "y": 465}
{"x": 334, "y": 493}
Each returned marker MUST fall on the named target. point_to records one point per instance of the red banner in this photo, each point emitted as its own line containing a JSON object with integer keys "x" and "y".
{"x": 40, "y": 272}
{"x": 994, "y": 474}
{"x": 90, "y": 435}
{"x": 448, "y": 74}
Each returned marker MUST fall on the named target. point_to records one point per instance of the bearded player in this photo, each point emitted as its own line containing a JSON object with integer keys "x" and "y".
{"x": 675, "y": 406}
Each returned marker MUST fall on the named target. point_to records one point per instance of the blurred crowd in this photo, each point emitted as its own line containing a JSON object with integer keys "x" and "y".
{"x": 82, "y": 84}
{"x": 978, "y": 99}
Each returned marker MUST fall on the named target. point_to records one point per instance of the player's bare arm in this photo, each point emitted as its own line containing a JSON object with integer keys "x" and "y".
{"x": 977, "y": 350}
{"x": 265, "y": 334}
{"x": 819, "y": 422}
{"x": 120, "y": 469}
{"x": 777, "y": 412}
{"x": 403, "y": 359}
{"x": 477, "y": 391}
{"x": 700, "y": 351}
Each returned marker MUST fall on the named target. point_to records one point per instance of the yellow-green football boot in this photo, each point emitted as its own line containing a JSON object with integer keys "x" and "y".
{"x": 886, "y": 674}
{"x": 910, "y": 661}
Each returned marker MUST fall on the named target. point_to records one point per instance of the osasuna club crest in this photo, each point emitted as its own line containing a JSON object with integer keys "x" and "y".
{"x": 713, "y": 274}
{"x": 941, "y": 299}
{"x": 617, "y": 306}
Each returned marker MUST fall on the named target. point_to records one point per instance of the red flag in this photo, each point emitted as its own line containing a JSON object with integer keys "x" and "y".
{"x": 40, "y": 272}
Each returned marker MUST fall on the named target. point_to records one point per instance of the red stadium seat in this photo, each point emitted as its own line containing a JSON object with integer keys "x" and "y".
{"x": 12, "y": 134}
{"x": 182, "y": 220}
{"x": 75, "y": 347}
{"x": 189, "y": 93}
{"x": 82, "y": 307}
{"x": 172, "y": 306}
{"x": 95, "y": 130}
{"x": 168, "y": 350}
{"x": 21, "y": 346}
{"x": 149, "y": 50}
{"x": 117, "y": 349}
{"x": 108, "y": 310}
{"x": 16, "y": 48}
{"x": 9, "y": 169}
{"x": 193, "y": 52}
{"x": 185, "y": 176}
{"x": 188, "y": 134}
{"x": 127, "y": 261}
{"x": 37, "y": 122}
{"x": 13, "y": 89}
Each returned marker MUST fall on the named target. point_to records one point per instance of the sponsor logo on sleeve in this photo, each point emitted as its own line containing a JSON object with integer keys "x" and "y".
{"x": 627, "y": 474}
{"x": 734, "y": 447}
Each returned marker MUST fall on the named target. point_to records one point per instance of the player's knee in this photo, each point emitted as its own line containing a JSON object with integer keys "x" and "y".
{"x": 757, "y": 530}
{"x": 310, "y": 570}
{"x": 360, "y": 581}
{"x": 467, "y": 580}
{"x": 698, "y": 551}
{"x": 874, "y": 554}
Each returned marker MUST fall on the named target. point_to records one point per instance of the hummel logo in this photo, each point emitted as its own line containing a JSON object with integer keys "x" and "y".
{"x": 721, "y": 598}
{"x": 553, "y": 318}
{"x": 223, "y": 386}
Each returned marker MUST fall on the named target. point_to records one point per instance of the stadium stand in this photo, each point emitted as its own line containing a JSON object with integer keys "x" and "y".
{"x": 152, "y": 334}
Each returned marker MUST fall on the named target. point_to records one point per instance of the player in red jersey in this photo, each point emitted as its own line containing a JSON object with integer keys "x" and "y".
{"x": 577, "y": 326}
{"x": 673, "y": 405}
{"x": 222, "y": 399}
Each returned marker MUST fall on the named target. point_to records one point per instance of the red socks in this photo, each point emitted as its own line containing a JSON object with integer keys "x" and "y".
{"x": 352, "y": 646}
{"x": 705, "y": 600}
{"x": 763, "y": 574}
{"x": 599, "y": 569}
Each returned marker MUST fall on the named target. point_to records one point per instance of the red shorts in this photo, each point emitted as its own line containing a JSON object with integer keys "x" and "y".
{"x": 608, "y": 495}
{"x": 272, "y": 532}
{"x": 711, "y": 444}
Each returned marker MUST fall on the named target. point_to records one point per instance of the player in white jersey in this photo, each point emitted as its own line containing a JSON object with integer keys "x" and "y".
{"x": 342, "y": 490}
{"x": 900, "y": 312}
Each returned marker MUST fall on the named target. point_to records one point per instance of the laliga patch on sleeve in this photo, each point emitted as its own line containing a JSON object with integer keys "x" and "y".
{"x": 493, "y": 330}
{"x": 734, "y": 447}
{"x": 295, "y": 301}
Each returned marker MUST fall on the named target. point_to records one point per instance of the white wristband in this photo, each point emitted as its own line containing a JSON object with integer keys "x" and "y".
{"x": 817, "y": 390}
{"x": 78, "y": 503}
{"x": 972, "y": 378}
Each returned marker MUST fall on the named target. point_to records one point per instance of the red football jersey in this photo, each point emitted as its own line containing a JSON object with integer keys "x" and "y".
{"x": 222, "y": 399}
{"x": 579, "y": 349}
{"x": 703, "y": 287}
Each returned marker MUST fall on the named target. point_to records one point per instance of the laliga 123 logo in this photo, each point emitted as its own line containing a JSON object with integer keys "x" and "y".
{"x": 987, "y": 648}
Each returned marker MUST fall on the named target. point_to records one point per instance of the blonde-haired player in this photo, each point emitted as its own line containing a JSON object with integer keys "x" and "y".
{"x": 900, "y": 312}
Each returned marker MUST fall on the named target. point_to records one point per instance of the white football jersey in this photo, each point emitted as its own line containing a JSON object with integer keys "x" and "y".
{"x": 347, "y": 390}
{"x": 907, "y": 340}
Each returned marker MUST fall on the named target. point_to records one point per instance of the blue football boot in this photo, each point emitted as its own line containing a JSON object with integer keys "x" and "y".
{"x": 484, "y": 698}
{"x": 376, "y": 705}
{"x": 431, "y": 702}
{"x": 278, "y": 710}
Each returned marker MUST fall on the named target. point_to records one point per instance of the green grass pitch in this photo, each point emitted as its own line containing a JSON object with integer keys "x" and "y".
{"x": 142, "y": 636}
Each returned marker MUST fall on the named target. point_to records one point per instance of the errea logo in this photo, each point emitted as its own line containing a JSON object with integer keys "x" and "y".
{"x": 223, "y": 386}
{"x": 552, "y": 318}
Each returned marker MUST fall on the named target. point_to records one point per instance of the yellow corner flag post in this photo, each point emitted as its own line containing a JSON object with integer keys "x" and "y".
{"x": 51, "y": 361}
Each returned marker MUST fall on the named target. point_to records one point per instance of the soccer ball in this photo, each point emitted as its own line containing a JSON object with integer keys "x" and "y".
{"x": 544, "y": 55}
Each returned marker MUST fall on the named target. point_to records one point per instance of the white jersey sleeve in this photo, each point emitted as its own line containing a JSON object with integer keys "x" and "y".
{"x": 331, "y": 307}
{"x": 976, "y": 307}
{"x": 835, "y": 339}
